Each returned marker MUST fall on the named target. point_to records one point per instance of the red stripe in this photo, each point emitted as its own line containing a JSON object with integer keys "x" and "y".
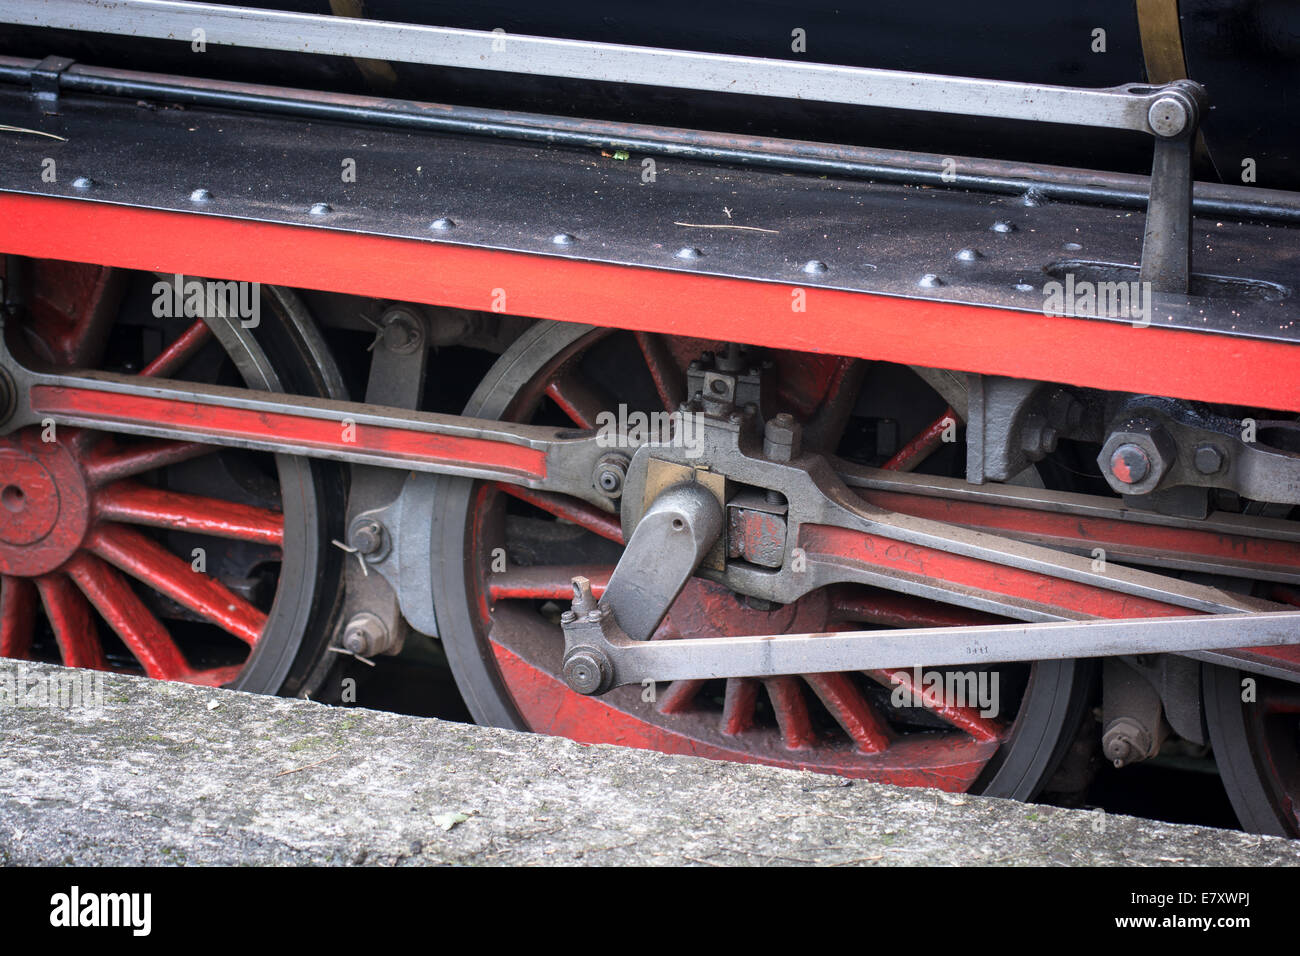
{"x": 321, "y": 433}
{"x": 993, "y": 341}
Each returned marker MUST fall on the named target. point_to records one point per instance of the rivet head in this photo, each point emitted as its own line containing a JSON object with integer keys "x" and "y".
{"x": 1071, "y": 246}
{"x": 688, "y": 252}
{"x": 1003, "y": 226}
{"x": 321, "y": 209}
{"x": 815, "y": 267}
{"x": 1208, "y": 459}
{"x": 968, "y": 255}
{"x": 83, "y": 182}
{"x": 930, "y": 281}
{"x": 201, "y": 195}
{"x": 443, "y": 224}
{"x": 564, "y": 239}
{"x": 1024, "y": 287}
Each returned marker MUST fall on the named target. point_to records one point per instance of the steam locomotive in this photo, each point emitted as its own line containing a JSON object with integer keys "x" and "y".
{"x": 907, "y": 392}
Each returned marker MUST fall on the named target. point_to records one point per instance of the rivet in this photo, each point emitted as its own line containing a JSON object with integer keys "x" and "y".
{"x": 201, "y": 195}
{"x": 443, "y": 224}
{"x": 688, "y": 252}
{"x": 1071, "y": 246}
{"x": 564, "y": 239}
{"x": 321, "y": 209}
{"x": 968, "y": 255}
{"x": 83, "y": 182}
{"x": 814, "y": 266}
{"x": 930, "y": 281}
{"x": 1024, "y": 287}
{"x": 1003, "y": 225}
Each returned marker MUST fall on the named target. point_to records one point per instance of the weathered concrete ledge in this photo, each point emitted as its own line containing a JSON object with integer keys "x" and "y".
{"x": 171, "y": 774}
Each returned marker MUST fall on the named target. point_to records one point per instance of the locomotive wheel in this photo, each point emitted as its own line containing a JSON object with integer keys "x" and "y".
{"x": 1256, "y": 744}
{"x": 503, "y": 559}
{"x": 173, "y": 559}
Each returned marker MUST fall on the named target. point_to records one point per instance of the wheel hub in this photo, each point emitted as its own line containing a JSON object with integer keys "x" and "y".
{"x": 44, "y": 505}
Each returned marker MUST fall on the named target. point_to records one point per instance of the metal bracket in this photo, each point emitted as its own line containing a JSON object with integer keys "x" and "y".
{"x": 45, "y": 81}
{"x": 1167, "y": 243}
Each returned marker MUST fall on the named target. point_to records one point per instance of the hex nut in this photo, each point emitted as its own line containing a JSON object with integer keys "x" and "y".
{"x": 1144, "y": 464}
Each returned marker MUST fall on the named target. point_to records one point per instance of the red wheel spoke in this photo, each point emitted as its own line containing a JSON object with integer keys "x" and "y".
{"x": 127, "y": 615}
{"x": 825, "y": 429}
{"x": 137, "y": 504}
{"x": 215, "y": 676}
{"x": 668, "y": 378}
{"x": 74, "y": 627}
{"x": 17, "y": 616}
{"x": 901, "y": 610}
{"x": 851, "y": 710}
{"x": 964, "y": 718}
{"x": 545, "y": 582}
{"x": 580, "y": 401}
{"x": 110, "y": 462}
{"x": 739, "y": 705}
{"x": 570, "y": 509}
{"x": 1282, "y": 700}
{"x": 791, "y": 709}
{"x": 679, "y": 696}
{"x": 146, "y": 560}
{"x": 75, "y": 306}
{"x": 174, "y": 356}
{"x": 920, "y": 447}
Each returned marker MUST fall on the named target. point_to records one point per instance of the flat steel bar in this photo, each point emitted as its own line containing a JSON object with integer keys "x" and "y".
{"x": 708, "y": 658}
{"x": 1124, "y": 107}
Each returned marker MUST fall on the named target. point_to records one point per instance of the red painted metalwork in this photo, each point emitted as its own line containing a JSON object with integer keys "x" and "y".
{"x": 174, "y": 356}
{"x": 1075, "y": 531}
{"x": 936, "y": 565}
{"x": 17, "y": 616}
{"x": 70, "y": 618}
{"x": 134, "y": 503}
{"x": 220, "y": 421}
{"x": 570, "y": 509}
{"x": 1104, "y": 355}
{"x": 143, "y": 558}
{"x": 65, "y": 495}
{"x": 920, "y": 447}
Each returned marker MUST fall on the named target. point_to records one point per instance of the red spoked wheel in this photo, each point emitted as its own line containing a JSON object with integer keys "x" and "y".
{"x": 504, "y": 558}
{"x": 169, "y": 558}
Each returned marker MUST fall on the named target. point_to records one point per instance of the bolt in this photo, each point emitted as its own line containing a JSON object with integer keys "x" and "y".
{"x": 1126, "y": 741}
{"x": 1130, "y": 463}
{"x": 368, "y": 537}
{"x": 583, "y": 599}
{"x": 365, "y": 635}
{"x": 1208, "y": 459}
{"x": 403, "y": 332}
{"x": 586, "y": 671}
{"x": 611, "y": 472}
{"x": 1168, "y": 116}
{"x": 782, "y": 437}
